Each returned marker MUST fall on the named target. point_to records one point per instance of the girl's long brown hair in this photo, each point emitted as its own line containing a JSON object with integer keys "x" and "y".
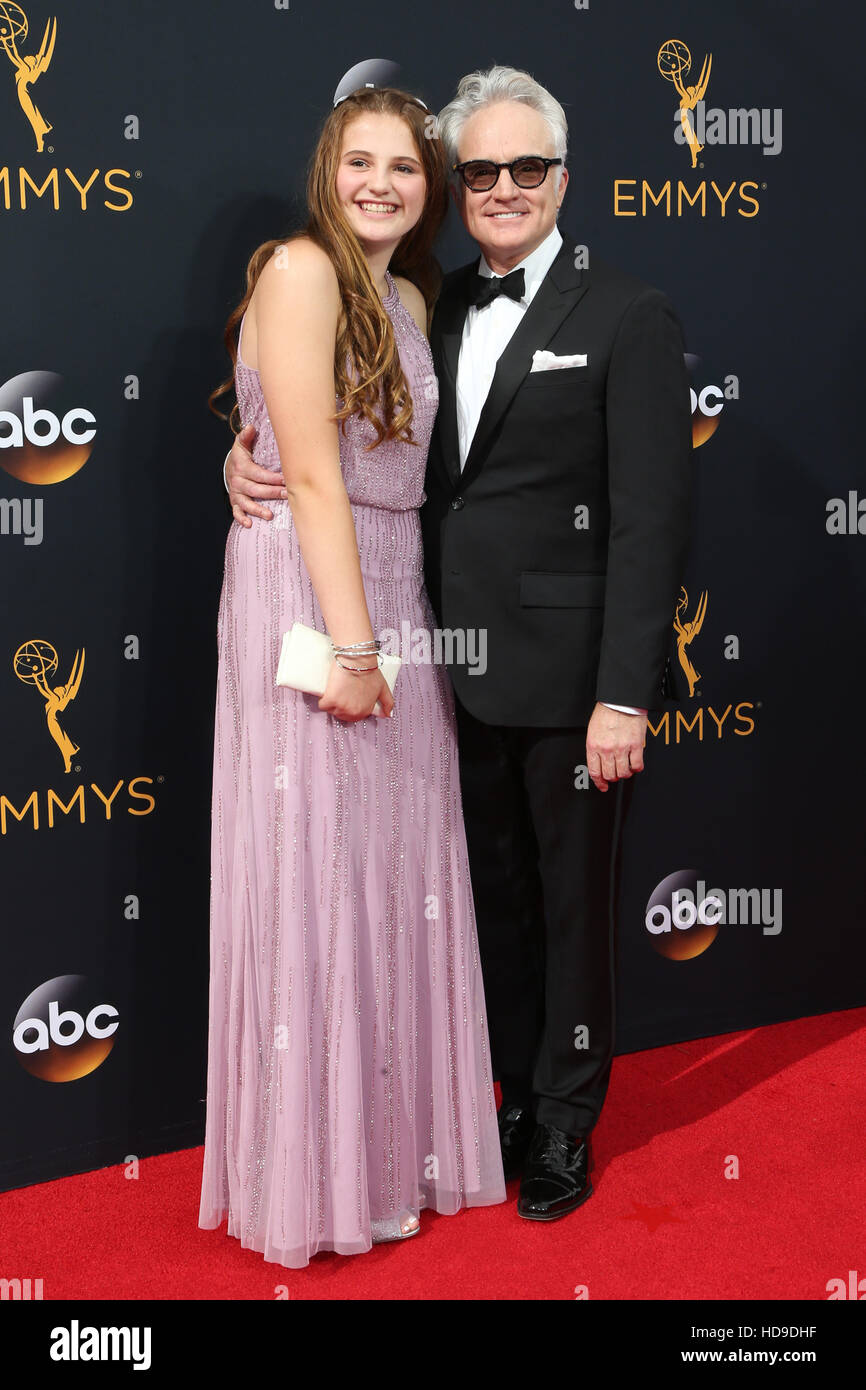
{"x": 377, "y": 389}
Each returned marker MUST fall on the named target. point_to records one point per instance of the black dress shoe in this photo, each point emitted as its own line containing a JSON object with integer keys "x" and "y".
{"x": 555, "y": 1176}
{"x": 516, "y": 1128}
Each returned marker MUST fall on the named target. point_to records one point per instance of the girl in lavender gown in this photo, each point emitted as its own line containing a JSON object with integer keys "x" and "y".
{"x": 349, "y": 1079}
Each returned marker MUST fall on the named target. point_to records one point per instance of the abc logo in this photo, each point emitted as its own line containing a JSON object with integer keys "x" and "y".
{"x": 708, "y": 400}
{"x": 681, "y": 924}
{"x": 61, "y": 1032}
{"x": 44, "y": 436}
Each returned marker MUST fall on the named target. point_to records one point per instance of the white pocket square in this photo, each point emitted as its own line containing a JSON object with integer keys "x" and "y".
{"x": 543, "y": 361}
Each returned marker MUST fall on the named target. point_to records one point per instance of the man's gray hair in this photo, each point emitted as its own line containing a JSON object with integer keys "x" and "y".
{"x": 479, "y": 89}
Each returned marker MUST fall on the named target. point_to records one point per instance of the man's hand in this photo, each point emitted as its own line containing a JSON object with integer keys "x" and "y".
{"x": 614, "y": 745}
{"x": 248, "y": 481}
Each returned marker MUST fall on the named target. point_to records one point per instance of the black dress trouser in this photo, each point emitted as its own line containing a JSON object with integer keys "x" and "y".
{"x": 544, "y": 862}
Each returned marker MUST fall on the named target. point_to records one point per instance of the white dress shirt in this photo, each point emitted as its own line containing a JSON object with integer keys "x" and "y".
{"x": 486, "y": 334}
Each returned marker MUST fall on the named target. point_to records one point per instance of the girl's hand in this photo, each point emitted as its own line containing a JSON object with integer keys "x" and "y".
{"x": 352, "y": 697}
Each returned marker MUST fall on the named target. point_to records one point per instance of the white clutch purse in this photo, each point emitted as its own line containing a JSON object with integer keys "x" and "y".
{"x": 306, "y": 658}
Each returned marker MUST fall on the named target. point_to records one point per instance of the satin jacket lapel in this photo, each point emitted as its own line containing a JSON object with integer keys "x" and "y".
{"x": 559, "y": 291}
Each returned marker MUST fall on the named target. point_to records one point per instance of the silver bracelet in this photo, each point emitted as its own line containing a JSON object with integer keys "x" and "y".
{"x": 358, "y": 670}
{"x": 359, "y": 648}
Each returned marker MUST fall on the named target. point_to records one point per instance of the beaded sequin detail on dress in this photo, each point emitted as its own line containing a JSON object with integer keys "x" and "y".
{"x": 349, "y": 1076}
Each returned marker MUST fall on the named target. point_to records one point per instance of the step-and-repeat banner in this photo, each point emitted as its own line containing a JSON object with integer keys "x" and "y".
{"x": 145, "y": 151}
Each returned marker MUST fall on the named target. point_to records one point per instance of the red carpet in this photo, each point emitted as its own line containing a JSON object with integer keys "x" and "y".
{"x": 665, "y": 1222}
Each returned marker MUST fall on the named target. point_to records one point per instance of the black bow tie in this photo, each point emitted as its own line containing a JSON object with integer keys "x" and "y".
{"x": 486, "y": 288}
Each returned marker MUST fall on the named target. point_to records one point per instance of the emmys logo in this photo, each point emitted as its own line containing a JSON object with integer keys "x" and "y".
{"x": 696, "y": 126}
{"x": 44, "y": 438}
{"x": 20, "y": 188}
{"x": 677, "y": 724}
{"x": 28, "y": 68}
{"x": 59, "y": 1033}
{"x": 35, "y": 663}
{"x": 674, "y": 59}
{"x": 686, "y": 633}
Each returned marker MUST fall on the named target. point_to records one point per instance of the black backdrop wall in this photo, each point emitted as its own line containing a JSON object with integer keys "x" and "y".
{"x": 177, "y": 141}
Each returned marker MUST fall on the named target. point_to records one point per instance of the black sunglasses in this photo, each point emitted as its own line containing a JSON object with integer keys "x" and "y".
{"x": 480, "y": 175}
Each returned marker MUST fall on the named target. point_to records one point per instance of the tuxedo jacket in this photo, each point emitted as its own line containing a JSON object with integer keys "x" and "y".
{"x": 564, "y": 537}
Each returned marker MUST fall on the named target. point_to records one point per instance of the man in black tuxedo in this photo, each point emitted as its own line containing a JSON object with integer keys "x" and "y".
{"x": 556, "y": 521}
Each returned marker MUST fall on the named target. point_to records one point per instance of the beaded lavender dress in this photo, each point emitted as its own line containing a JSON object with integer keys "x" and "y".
{"x": 349, "y": 1076}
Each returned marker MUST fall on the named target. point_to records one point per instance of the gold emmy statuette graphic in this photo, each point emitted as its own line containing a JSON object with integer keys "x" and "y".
{"x": 35, "y": 662}
{"x": 686, "y": 632}
{"x": 674, "y": 60}
{"x": 13, "y": 29}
